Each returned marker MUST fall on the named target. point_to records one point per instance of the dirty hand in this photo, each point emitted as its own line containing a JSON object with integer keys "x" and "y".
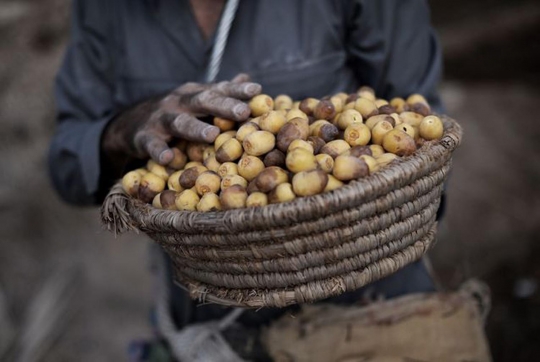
{"x": 145, "y": 130}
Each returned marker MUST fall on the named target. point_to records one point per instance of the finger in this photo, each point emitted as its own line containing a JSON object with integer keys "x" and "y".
{"x": 241, "y": 78}
{"x": 189, "y": 128}
{"x": 190, "y": 88}
{"x": 244, "y": 90}
{"x": 155, "y": 147}
{"x": 209, "y": 102}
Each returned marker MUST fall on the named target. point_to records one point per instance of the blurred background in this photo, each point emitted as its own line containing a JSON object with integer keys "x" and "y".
{"x": 90, "y": 293}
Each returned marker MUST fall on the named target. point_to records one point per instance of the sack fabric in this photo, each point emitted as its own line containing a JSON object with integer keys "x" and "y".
{"x": 421, "y": 327}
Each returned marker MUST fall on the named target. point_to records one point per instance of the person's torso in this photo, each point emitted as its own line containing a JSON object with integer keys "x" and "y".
{"x": 295, "y": 47}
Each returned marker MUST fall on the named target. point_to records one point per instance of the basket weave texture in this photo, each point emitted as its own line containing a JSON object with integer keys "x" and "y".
{"x": 306, "y": 250}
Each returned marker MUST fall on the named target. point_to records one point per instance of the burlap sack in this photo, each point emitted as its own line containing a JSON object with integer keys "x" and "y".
{"x": 416, "y": 328}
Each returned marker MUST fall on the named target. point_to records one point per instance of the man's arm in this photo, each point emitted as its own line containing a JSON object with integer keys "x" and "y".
{"x": 393, "y": 48}
{"x": 94, "y": 141}
{"x": 84, "y": 97}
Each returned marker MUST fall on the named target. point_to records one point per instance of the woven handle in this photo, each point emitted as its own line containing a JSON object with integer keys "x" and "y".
{"x": 114, "y": 214}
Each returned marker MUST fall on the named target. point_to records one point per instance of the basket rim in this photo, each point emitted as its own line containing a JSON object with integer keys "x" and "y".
{"x": 431, "y": 156}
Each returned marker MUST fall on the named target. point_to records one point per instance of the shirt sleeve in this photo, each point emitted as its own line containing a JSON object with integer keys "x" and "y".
{"x": 84, "y": 100}
{"x": 393, "y": 48}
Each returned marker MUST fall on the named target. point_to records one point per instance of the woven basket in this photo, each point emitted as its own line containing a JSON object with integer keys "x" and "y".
{"x": 306, "y": 250}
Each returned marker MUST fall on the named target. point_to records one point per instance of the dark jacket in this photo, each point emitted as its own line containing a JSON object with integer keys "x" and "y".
{"x": 124, "y": 51}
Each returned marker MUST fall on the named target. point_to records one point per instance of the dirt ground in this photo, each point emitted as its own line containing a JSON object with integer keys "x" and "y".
{"x": 491, "y": 86}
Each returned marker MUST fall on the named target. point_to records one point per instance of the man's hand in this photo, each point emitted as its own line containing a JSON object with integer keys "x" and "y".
{"x": 145, "y": 130}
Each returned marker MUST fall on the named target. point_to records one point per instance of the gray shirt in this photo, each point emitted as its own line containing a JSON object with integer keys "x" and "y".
{"x": 124, "y": 51}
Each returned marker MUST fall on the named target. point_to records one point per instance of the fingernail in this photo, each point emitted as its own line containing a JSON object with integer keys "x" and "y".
{"x": 165, "y": 157}
{"x": 253, "y": 89}
{"x": 241, "y": 110}
{"x": 210, "y": 133}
